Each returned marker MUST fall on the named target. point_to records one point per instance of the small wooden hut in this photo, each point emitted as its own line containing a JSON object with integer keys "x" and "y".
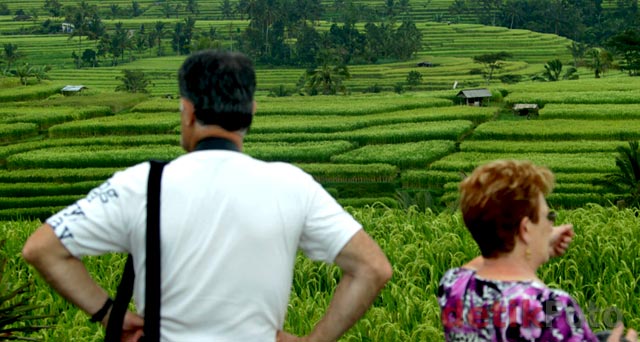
{"x": 525, "y": 109}
{"x": 72, "y": 89}
{"x": 475, "y": 97}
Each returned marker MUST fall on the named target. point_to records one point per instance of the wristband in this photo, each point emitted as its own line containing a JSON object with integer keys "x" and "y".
{"x": 98, "y": 316}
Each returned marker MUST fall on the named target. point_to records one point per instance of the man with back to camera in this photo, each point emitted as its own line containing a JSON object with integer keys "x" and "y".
{"x": 230, "y": 228}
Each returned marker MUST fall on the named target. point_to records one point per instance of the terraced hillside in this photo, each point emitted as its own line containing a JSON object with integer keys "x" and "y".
{"x": 372, "y": 145}
{"x": 449, "y": 47}
{"x": 422, "y": 10}
{"x": 397, "y": 149}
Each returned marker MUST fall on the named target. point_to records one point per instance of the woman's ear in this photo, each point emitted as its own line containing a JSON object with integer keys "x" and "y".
{"x": 524, "y": 230}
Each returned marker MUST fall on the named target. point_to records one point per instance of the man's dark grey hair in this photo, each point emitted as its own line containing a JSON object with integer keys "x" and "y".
{"x": 221, "y": 86}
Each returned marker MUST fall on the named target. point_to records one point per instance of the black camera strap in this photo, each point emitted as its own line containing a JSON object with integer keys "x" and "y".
{"x": 153, "y": 276}
{"x": 152, "y": 290}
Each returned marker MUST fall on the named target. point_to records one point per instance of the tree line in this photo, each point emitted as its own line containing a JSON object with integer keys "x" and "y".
{"x": 280, "y": 32}
{"x": 585, "y": 21}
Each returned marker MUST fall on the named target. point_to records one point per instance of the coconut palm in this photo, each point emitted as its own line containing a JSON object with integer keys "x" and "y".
{"x": 553, "y": 72}
{"x": 159, "y": 31}
{"x": 626, "y": 181}
{"x": 80, "y": 17}
{"x": 23, "y": 72}
{"x": 600, "y": 60}
{"x": 11, "y": 54}
{"x": 327, "y": 80}
{"x": 133, "y": 81}
{"x": 578, "y": 50}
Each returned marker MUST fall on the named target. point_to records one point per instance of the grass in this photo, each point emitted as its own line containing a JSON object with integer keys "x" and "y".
{"x": 599, "y": 270}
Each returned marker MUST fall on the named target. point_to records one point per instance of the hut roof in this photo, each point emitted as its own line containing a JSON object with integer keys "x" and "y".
{"x": 520, "y": 106}
{"x": 474, "y": 93}
{"x": 72, "y": 88}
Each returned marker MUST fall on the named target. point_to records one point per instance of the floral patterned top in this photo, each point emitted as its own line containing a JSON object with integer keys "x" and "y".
{"x": 477, "y": 309}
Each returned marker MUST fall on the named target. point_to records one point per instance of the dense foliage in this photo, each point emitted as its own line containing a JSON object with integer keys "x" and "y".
{"x": 287, "y": 32}
{"x": 599, "y": 270}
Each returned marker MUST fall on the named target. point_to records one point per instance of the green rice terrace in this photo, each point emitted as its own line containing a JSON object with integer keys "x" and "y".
{"x": 392, "y": 158}
{"x": 397, "y": 149}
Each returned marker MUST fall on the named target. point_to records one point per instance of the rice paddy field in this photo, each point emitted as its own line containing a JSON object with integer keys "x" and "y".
{"x": 393, "y": 160}
{"x": 600, "y": 270}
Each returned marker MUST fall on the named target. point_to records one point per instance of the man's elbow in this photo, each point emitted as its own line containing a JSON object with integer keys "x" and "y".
{"x": 385, "y": 272}
{"x": 38, "y": 246}
{"x": 380, "y": 272}
{"x": 30, "y": 252}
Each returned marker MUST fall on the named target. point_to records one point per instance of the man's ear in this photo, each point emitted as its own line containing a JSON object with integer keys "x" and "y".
{"x": 187, "y": 111}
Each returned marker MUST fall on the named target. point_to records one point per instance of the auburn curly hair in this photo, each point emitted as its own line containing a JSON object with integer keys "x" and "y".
{"x": 497, "y": 196}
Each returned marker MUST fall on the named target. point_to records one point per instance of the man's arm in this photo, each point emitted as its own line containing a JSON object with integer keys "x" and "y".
{"x": 69, "y": 277}
{"x": 64, "y": 272}
{"x": 365, "y": 271}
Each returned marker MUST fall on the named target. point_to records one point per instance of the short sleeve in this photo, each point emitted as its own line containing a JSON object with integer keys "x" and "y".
{"x": 328, "y": 227}
{"x": 101, "y": 222}
{"x": 565, "y": 320}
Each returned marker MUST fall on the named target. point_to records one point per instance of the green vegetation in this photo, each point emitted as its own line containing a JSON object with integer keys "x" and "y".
{"x": 559, "y": 130}
{"x": 626, "y": 180}
{"x": 126, "y": 124}
{"x": 559, "y": 162}
{"x": 599, "y": 270}
{"x": 47, "y": 116}
{"x": 418, "y": 154}
{"x": 491, "y": 62}
{"x": 590, "y": 111}
{"x": 133, "y": 81}
{"x": 16, "y": 308}
{"x": 320, "y": 151}
{"x": 17, "y": 131}
{"x": 392, "y": 137}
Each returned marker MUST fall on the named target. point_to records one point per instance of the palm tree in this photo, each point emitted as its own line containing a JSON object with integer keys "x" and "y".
{"x": 80, "y": 17}
{"x": 552, "y": 70}
{"x": 626, "y": 180}
{"x": 327, "y": 80}
{"x": 121, "y": 41}
{"x": 23, "y": 72}
{"x": 40, "y": 72}
{"x": 578, "y": 50}
{"x": 159, "y": 32}
{"x": 133, "y": 81}
{"x": 10, "y": 54}
{"x": 600, "y": 61}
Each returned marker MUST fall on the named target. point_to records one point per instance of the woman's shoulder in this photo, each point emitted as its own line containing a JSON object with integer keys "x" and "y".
{"x": 454, "y": 282}
{"x": 453, "y": 274}
{"x": 535, "y": 291}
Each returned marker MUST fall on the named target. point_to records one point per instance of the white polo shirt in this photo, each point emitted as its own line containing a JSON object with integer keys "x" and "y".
{"x": 231, "y": 226}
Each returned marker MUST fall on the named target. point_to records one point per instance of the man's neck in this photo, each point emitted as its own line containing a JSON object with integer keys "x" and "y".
{"x": 204, "y": 132}
{"x": 215, "y": 143}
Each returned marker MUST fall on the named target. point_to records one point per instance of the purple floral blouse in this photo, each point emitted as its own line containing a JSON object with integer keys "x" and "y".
{"x": 476, "y": 309}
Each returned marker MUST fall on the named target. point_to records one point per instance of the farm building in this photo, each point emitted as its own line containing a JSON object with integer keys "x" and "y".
{"x": 474, "y": 97}
{"x": 72, "y": 89}
{"x": 67, "y": 28}
{"x": 526, "y": 109}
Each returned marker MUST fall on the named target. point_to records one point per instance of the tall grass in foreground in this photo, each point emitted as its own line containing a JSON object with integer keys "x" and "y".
{"x": 600, "y": 270}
